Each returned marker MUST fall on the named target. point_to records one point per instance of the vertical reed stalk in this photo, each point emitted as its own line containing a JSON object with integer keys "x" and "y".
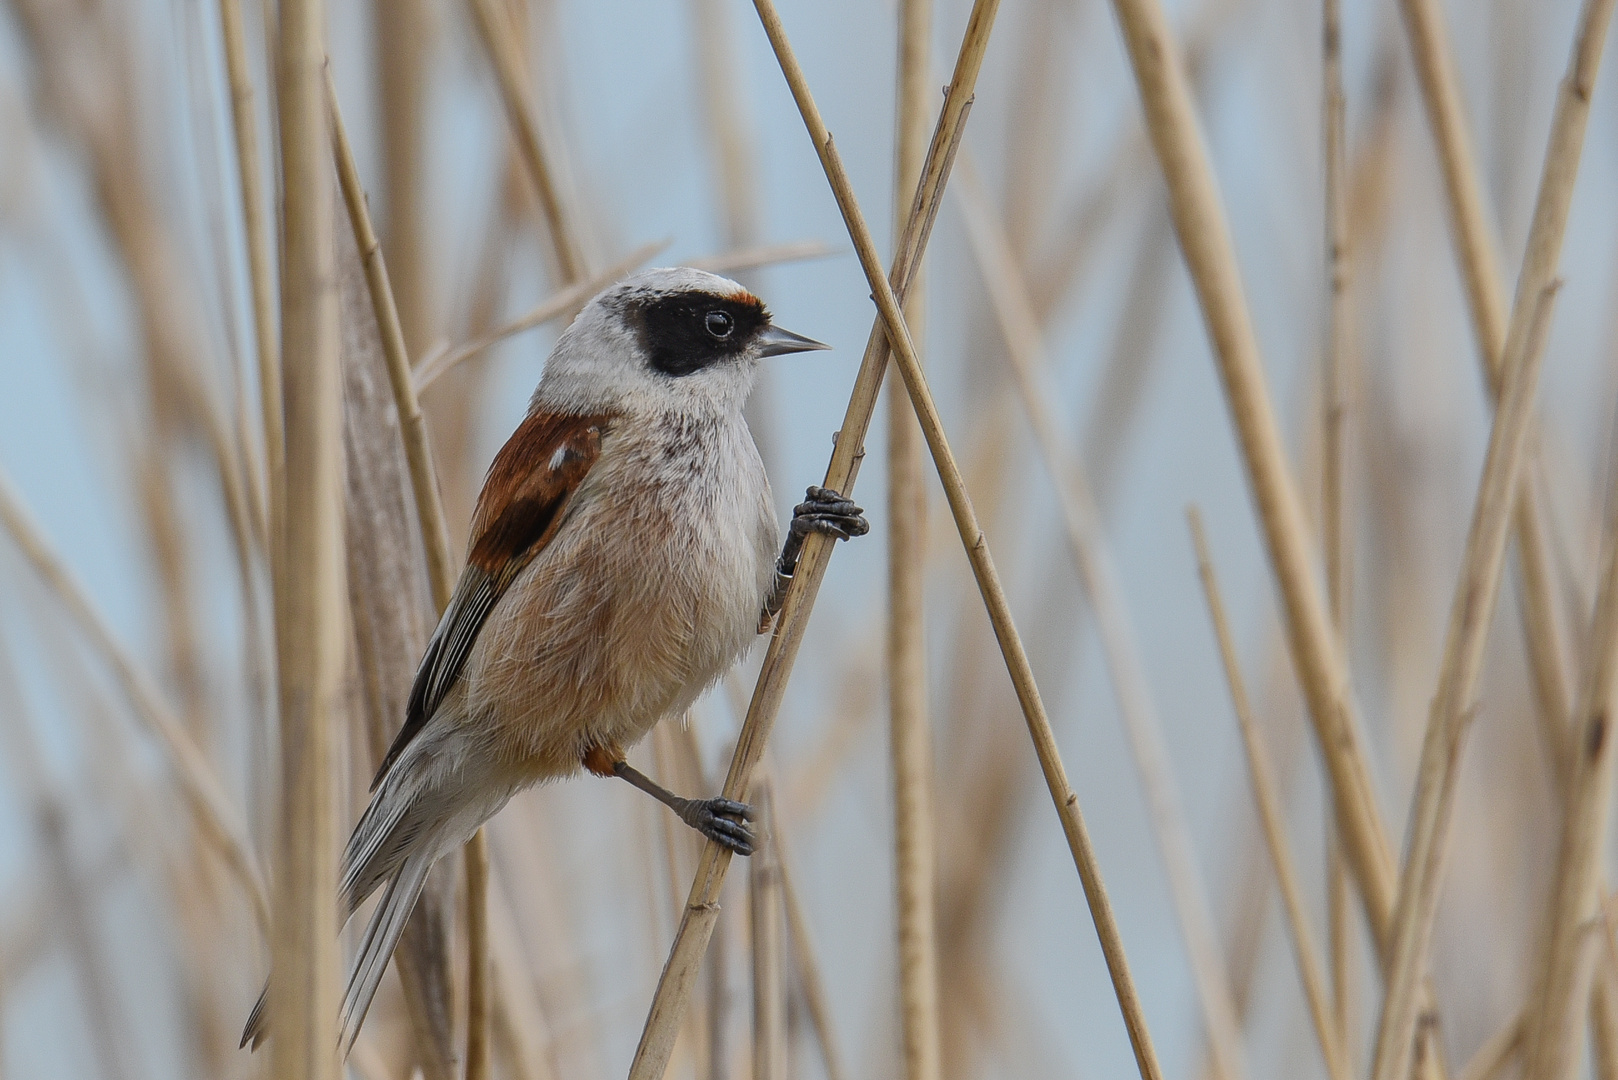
{"x": 1475, "y": 593}
{"x": 972, "y": 537}
{"x": 1272, "y": 818}
{"x": 479, "y": 985}
{"x": 260, "y": 257}
{"x": 435, "y": 543}
{"x": 1454, "y": 704}
{"x": 697, "y": 923}
{"x": 405, "y": 35}
{"x": 1199, "y": 221}
{"x": 1087, "y": 547}
{"x": 1333, "y": 519}
{"x": 1555, "y": 1030}
{"x": 495, "y": 32}
{"x": 441, "y": 571}
{"x": 309, "y": 613}
{"x": 807, "y": 964}
{"x": 199, "y": 784}
{"x": 769, "y": 983}
{"x": 910, "y": 733}
{"x": 1485, "y": 287}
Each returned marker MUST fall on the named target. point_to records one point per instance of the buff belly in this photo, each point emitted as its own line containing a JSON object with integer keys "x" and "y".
{"x": 610, "y": 630}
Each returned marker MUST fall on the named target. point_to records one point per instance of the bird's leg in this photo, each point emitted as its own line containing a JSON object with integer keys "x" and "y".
{"x": 823, "y": 511}
{"x": 720, "y": 820}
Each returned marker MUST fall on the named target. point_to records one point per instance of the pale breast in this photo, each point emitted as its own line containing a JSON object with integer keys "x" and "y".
{"x": 650, "y": 590}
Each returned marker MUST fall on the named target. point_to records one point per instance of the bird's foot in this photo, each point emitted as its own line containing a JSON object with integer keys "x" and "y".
{"x": 723, "y": 821}
{"x": 822, "y": 511}
{"x": 825, "y": 511}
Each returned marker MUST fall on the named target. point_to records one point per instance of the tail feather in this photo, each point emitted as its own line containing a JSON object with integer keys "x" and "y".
{"x": 253, "y": 1033}
{"x": 376, "y": 848}
{"x": 427, "y": 805}
{"x": 381, "y": 935}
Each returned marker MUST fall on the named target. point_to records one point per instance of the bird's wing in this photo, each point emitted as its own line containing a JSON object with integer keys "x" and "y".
{"x": 524, "y": 499}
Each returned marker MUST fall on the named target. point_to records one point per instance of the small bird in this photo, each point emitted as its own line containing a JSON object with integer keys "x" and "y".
{"x": 622, "y": 557}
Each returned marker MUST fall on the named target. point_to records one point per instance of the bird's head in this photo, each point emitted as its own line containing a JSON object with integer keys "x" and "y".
{"x": 665, "y": 339}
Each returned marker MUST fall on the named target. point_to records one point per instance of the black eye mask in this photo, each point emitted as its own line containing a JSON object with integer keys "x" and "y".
{"x": 686, "y": 332}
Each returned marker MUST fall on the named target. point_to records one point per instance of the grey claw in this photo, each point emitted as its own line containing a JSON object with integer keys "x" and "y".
{"x": 829, "y": 513}
{"x": 722, "y": 821}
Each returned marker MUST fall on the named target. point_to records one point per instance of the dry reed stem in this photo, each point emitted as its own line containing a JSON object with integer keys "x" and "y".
{"x": 1272, "y": 817}
{"x": 404, "y": 38}
{"x": 807, "y": 964}
{"x": 260, "y": 259}
{"x": 1555, "y": 1019}
{"x": 972, "y": 537}
{"x": 756, "y": 256}
{"x": 1474, "y": 597}
{"x": 441, "y": 573}
{"x": 722, "y": 96}
{"x": 1205, "y": 244}
{"x": 439, "y": 361}
{"x": 1013, "y": 308}
{"x": 507, "y": 56}
{"x": 73, "y": 897}
{"x": 1485, "y": 287}
{"x": 1335, "y": 534}
{"x": 764, "y": 922}
{"x": 718, "y": 1003}
{"x": 1454, "y": 703}
{"x": 215, "y": 817}
{"x": 310, "y": 621}
{"x": 915, "y": 854}
{"x": 388, "y": 605}
{"x": 701, "y": 912}
{"x": 479, "y": 986}
{"x": 1495, "y": 1052}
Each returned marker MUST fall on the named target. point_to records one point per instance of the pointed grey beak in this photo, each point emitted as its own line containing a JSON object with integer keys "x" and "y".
{"x": 774, "y": 341}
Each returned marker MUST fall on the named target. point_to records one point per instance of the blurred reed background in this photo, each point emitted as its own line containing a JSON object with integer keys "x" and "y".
{"x": 240, "y": 442}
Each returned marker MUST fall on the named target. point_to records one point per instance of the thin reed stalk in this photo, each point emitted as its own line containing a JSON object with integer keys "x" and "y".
{"x": 915, "y": 855}
{"x": 1493, "y": 1056}
{"x": 972, "y": 537}
{"x": 807, "y": 964}
{"x": 439, "y": 361}
{"x": 441, "y": 572}
{"x": 1334, "y": 529}
{"x": 199, "y": 783}
{"x": 1271, "y": 814}
{"x": 479, "y": 985}
{"x": 1475, "y": 593}
{"x": 405, "y": 35}
{"x": 1555, "y": 1026}
{"x": 506, "y": 54}
{"x": 1454, "y": 705}
{"x": 1485, "y": 286}
{"x": 73, "y": 898}
{"x": 435, "y": 543}
{"x": 701, "y": 912}
{"x": 309, "y": 617}
{"x": 260, "y": 257}
{"x": 764, "y": 922}
{"x": 1205, "y": 244}
{"x": 756, "y": 256}
{"x": 1013, "y": 307}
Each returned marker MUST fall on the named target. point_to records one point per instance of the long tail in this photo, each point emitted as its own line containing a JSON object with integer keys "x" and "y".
{"x": 381, "y": 935}
{"x": 379, "y": 850}
{"x": 431, "y": 801}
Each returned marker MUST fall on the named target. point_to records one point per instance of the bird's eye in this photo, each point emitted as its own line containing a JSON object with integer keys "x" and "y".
{"x": 718, "y": 324}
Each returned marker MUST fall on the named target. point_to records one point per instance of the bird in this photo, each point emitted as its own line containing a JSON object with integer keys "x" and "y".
{"x": 624, "y": 553}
